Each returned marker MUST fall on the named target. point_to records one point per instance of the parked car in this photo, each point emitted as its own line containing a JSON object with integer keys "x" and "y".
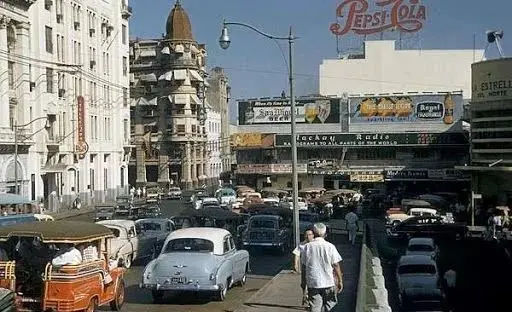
{"x": 129, "y": 244}
{"x": 422, "y": 246}
{"x": 104, "y": 211}
{"x": 288, "y": 203}
{"x": 419, "y": 287}
{"x": 267, "y": 231}
{"x": 208, "y": 201}
{"x": 42, "y": 286}
{"x": 156, "y": 227}
{"x": 197, "y": 259}
{"x": 397, "y": 215}
{"x": 226, "y": 197}
{"x": 429, "y": 226}
{"x": 174, "y": 193}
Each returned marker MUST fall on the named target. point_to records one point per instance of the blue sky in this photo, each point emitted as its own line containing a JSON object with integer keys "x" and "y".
{"x": 256, "y": 65}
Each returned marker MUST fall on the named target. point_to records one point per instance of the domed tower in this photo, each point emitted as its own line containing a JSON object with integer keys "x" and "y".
{"x": 181, "y": 82}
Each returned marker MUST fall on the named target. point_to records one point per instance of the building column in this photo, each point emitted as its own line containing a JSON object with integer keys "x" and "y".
{"x": 201, "y": 162}
{"x": 23, "y": 74}
{"x": 4, "y": 76}
{"x": 140, "y": 161}
{"x": 163, "y": 170}
{"x": 194, "y": 164}
{"x": 185, "y": 168}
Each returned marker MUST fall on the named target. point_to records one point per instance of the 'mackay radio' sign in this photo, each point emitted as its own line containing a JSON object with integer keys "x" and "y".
{"x": 361, "y": 18}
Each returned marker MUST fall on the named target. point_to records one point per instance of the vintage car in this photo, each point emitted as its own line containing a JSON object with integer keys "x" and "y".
{"x": 104, "y": 211}
{"x": 42, "y": 286}
{"x": 226, "y": 197}
{"x": 153, "y": 190}
{"x": 428, "y": 226}
{"x": 174, "y": 193}
{"x": 24, "y": 218}
{"x": 265, "y": 230}
{"x": 397, "y": 215}
{"x": 128, "y": 244}
{"x": 157, "y": 227}
{"x": 198, "y": 260}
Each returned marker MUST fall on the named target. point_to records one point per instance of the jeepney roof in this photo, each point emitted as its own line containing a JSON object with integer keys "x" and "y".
{"x": 57, "y": 231}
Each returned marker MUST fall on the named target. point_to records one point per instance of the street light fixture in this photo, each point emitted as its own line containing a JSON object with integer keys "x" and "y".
{"x": 224, "y": 42}
{"x": 15, "y": 128}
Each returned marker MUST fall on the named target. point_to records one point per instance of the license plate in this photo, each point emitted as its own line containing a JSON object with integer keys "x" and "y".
{"x": 178, "y": 280}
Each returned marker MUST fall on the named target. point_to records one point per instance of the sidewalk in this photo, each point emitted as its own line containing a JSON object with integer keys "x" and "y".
{"x": 65, "y": 214}
{"x": 283, "y": 293}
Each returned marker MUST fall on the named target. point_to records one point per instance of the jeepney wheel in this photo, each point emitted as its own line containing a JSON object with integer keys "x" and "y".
{"x": 118, "y": 301}
{"x": 93, "y": 305}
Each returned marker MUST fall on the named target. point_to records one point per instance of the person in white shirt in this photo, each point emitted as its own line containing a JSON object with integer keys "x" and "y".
{"x": 319, "y": 259}
{"x": 450, "y": 283}
{"x": 68, "y": 255}
{"x": 351, "y": 219}
{"x": 308, "y": 237}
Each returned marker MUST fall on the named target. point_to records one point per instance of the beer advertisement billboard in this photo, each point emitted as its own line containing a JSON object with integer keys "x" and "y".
{"x": 444, "y": 108}
{"x": 278, "y": 111}
{"x": 81, "y": 147}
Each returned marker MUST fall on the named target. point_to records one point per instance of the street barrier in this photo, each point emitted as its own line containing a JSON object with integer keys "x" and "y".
{"x": 372, "y": 295}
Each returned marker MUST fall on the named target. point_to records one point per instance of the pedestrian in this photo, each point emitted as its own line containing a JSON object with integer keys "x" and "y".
{"x": 308, "y": 237}
{"x": 144, "y": 191}
{"x": 450, "y": 283}
{"x": 321, "y": 262}
{"x": 139, "y": 192}
{"x": 351, "y": 219}
{"x": 132, "y": 192}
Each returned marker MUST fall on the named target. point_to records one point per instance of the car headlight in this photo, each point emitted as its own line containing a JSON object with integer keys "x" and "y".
{"x": 212, "y": 276}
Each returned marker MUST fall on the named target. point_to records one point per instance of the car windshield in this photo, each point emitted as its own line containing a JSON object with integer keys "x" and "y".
{"x": 123, "y": 200}
{"x": 228, "y": 193}
{"x": 417, "y": 269}
{"x": 116, "y": 232}
{"x": 267, "y": 224}
{"x": 189, "y": 245}
{"x": 105, "y": 209}
{"x": 173, "y": 189}
{"x": 151, "y": 226}
{"x": 426, "y": 248}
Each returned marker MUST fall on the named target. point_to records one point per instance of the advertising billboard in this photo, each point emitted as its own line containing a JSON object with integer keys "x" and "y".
{"x": 491, "y": 81}
{"x": 251, "y": 140}
{"x": 372, "y": 139}
{"x": 277, "y": 111}
{"x": 81, "y": 147}
{"x": 425, "y": 108}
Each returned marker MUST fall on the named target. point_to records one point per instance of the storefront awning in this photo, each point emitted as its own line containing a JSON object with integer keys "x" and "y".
{"x": 166, "y": 76}
{"x": 195, "y": 99}
{"x": 148, "y": 78}
{"x": 484, "y": 168}
{"x": 54, "y": 168}
{"x": 147, "y": 53}
{"x": 195, "y": 76}
{"x": 180, "y": 99}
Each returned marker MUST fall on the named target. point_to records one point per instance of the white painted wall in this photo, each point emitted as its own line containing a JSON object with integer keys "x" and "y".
{"x": 386, "y": 70}
{"x": 214, "y": 137}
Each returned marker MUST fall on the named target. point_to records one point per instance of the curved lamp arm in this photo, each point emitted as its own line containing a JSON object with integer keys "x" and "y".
{"x": 290, "y": 37}
{"x": 32, "y": 121}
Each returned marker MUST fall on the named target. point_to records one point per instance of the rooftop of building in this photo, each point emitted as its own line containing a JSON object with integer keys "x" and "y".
{"x": 178, "y": 25}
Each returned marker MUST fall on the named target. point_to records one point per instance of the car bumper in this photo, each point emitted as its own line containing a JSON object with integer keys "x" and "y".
{"x": 180, "y": 287}
{"x": 264, "y": 244}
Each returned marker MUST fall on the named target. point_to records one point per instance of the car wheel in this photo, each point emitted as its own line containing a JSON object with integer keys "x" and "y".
{"x": 127, "y": 261}
{"x": 93, "y": 305}
{"x": 157, "y": 295}
{"x": 118, "y": 301}
{"x": 243, "y": 280}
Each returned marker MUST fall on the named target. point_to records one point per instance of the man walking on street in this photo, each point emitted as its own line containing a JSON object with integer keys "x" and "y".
{"x": 351, "y": 218}
{"x": 320, "y": 258}
{"x": 308, "y": 237}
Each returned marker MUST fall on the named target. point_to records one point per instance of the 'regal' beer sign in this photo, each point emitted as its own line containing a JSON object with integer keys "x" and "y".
{"x": 81, "y": 147}
{"x": 359, "y": 17}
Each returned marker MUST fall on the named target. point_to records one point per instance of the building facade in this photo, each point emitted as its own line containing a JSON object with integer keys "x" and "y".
{"x": 491, "y": 132}
{"x": 67, "y": 90}
{"x": 218, "y": 94}
{"x": 214, "y": 147}
{"x": 168, "y": 106}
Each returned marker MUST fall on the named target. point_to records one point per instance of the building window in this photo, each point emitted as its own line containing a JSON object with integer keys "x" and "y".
{"x": 11, "y": 75}
{"x": 49, "y": 39}
{"x": 180, "y": 129}
{"x": 91, "y": 179}
{"x": 12, "y": 112}
{"x": 49, "y": 80}
{"x": 124, "y": 34}
{"x": 125, "y": 66}
{"x": 126, "y": 130}
{"x": 122, "y": 176}
{"x": 125, "y": 97}
{"x": 105, "y": 179}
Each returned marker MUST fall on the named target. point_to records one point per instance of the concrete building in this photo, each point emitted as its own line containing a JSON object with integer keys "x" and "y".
{"x": 214, "y": 146}
{"x": 491, "y": 132}
{"x": 384, "y": 69}
{"x": 67, "y": 69}
{"x": 218, "y": 94}
{"x": 168, "y": 111}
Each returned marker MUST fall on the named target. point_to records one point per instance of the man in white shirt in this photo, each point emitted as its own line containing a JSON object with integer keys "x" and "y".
{"x": 68, "y": 255}
{"x": 308, "y": 237}
{"x": 351, "y": 219}
{"x": 320, "y": 258}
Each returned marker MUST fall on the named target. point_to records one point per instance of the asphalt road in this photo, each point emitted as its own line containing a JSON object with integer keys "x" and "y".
{"x": 264, "y": 265}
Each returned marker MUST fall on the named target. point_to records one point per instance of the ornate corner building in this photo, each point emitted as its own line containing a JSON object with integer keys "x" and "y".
{"x": 168, "y": 107}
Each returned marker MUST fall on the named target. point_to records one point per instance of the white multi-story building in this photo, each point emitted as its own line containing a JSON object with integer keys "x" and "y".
{"x": 55, "y": 52}
{"x": 214, "y": 130}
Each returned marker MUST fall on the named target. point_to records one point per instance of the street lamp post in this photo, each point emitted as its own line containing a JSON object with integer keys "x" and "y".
{"x": 224, "y": 42}
{"x": 15, "y": 128}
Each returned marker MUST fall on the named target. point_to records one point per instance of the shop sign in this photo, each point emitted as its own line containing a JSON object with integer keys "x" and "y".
{"x": 413, "y": 174}
{"x": 438, "y": 109}
{"x": 363, "y": 18}
{"x": 364, "y": 177}
{"x": 324, "y": 163}
{"x": 277, "y": 111}
{"x": 81, "y": 147}
{"x": 254, "y": 140}
{"x": 492, "y": 81}
{"x": 372, "y": 139}
{"x": 436, "y": 174}
{"x": 269, "y": 168}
